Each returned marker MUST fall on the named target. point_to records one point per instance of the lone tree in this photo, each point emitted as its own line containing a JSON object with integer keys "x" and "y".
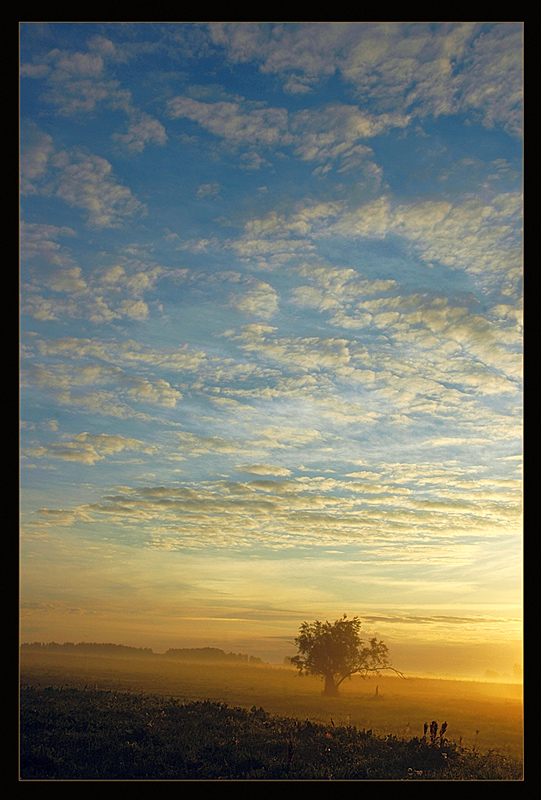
{"x": 335, "y": 651}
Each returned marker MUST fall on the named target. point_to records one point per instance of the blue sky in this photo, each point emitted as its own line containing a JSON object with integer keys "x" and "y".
{"x": 271, "y": 333}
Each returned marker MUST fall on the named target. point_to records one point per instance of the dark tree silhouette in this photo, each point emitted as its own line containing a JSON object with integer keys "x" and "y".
{"x": 335, "y": 651}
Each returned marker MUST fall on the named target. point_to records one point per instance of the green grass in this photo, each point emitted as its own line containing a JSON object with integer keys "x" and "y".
{"x": 96, "y": 734}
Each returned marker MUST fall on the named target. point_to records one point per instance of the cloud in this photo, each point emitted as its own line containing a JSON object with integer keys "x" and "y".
{"x": 198, "y": 445}
{"x": 481, "y": 238}
{"x": 209, "y": 190}
{"x": 77, "y": 86}
{"x": 107, "y": 49}
{"x": 309, "y": 512}
{"x": 125, "y": 352}
{"x": 89, "y": 449}
{"x": 77, "y": 97}
{"x": 36, "y": 148}
{"x": 295, "y": 354}
{"x": 39, "y": 244}
{"x": 68, "y": 280}
{"x": 452, "y": 327}
{"x": 69, "y": 386}
{"x": 491, "y": 83}
{"x": 75, "y": 81}
{"x": 412, "y": 69}
{"x": 82, "y": 179}
{"x": 142, "y": 130}
{"x": 246, "y": 123}
{"x": 259, "y": 301}
{"x": 87, "y": 182}
{"x": 336, "y": 132}
{"x": 265, "y": 469}
{"x": 333, "y": 134}
{"x": 68, "y": 293}
{"x": 276, "y": 239}
{"x": 308, "y": 53}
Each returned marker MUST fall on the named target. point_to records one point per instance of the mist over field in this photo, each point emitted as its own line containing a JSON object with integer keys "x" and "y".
{"x": 484, "y": 662}
{"x": 481, "y": 714}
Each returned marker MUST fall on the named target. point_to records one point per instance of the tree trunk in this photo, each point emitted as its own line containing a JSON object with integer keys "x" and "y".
{"x": 331, "y": 688}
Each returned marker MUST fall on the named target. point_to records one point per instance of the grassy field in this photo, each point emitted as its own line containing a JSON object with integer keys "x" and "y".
{"x": 102, "y": 734}
{"x": 480, "y": 716}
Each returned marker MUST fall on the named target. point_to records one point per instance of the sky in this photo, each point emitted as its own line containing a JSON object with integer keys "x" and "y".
{"x": 271, "y": 335}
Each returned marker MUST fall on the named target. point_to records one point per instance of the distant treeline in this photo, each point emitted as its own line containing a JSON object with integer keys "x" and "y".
{"x": 186, "y": 654}
{"x": 106, "y": 648}
{"x": 210, "y": 654}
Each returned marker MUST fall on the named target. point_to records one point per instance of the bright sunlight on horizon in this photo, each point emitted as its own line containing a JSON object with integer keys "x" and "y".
{"x": 271, "y": 336}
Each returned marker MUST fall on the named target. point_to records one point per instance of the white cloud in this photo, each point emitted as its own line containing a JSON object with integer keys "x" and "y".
{"x": 209, "y": 190}
{"x": 259, "y": 301}
{"x": 75, "y": 79}
{"x": 142, "y": 130}
{"x": 39, "y": 244}
{"x": 136, "y": 309}
{"x": 337, "y": 130}
{"x": 90, "y": 449}
{"x": 86, "y": 181}
{"x": 246, "y": 123}
{"x": 77, "y": 85}
{"x": 36, "y": 150}
{"x": 85, "y": 96}
{"x": 404, "y": 68}
{"x": 313, "y": 512}
{"x": 333, "y": 134}
{"x": 68, "y": 280}
{"x": 69, "y": 385}
{"x": 482, "y": 238}
{"x": 265, "y": 469}
{"x": 491, "y": 83}
{"x": 100, "y": 297}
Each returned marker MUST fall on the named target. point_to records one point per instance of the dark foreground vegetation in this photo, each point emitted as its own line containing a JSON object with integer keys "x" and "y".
{"x": 96, "y": 734}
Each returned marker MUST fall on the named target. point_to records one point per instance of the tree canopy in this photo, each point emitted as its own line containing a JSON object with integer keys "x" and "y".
{"x": 335, "y": 651}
